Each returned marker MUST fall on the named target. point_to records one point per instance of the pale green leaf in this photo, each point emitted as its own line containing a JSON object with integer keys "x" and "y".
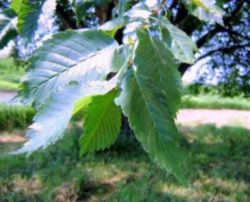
{"x": 70, "y": 66}
{"x": 150, "y": 98}
{"x": 111, "y": 27}
{"x": 53, "y": 117}
{"x": 181, "y": 45}
{"x": 206, "y": 10}
{"x": 102, "y": 123}
{"x": 120, "y": 58}
{"x": 67, "y": 57}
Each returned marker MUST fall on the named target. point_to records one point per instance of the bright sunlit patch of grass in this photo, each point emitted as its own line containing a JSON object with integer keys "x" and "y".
{"x": 215, "y": 102}
{"x": 7, "y": 85}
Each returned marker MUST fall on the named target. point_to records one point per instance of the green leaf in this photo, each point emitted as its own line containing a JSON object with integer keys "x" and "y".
{"x": 206, "y": 10}
{"x": 150, "y": 99}
{"x": 28, "y": 15}
{"x": 102, "y": 123}
{"x": 67, "y": 57}
{"x": 120, "y": 58}
{"x": 7, "y": 27}
{"x": 16, "y": 5}
{"x": 81, "y": 104}
{"x": 180, "y": 44}
{"x": 111, "y": 27}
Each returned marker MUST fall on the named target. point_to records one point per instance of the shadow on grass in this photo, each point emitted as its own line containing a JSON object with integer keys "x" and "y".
{"x": 219, "y": 168}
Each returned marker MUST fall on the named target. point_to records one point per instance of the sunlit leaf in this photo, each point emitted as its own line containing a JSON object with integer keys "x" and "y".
{"x": 65, "y": 58}
{"x": 70, "y": 66}
{"x": 16, "y": 5}
{"x": 102, "y": 123}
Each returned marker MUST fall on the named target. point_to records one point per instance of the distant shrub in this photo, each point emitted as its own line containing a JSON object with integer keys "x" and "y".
{"x": 224, "y": 89}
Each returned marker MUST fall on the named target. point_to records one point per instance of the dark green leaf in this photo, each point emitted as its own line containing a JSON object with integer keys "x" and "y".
{"x": 150, "y": 98}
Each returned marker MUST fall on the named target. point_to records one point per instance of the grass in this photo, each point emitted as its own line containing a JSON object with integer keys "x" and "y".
{"x": 7, "y": 85}
{"x": 10, "y": 73}
{"x": 15, "y": 116}
{"x": 219, "y": 168}
{"x": 215, "y": 102}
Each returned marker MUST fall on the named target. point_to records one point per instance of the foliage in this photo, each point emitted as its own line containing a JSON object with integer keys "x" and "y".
{"x": 74, "y": 65}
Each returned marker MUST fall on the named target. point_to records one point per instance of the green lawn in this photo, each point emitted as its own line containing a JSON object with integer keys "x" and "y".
{"x": 11, "y": 72}
{"x": 219, "y": 170}
{"x": 15, "y": 116}
{"x": 8, "y": 85}
{"x": 215, "y": 102}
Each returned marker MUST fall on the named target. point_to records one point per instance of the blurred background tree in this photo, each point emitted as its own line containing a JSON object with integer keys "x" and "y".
{"x": 225, "y": 46}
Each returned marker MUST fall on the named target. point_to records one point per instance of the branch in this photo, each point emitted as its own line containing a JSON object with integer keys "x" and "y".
{"x": 218, "y": 28}
{"x": 225, "y": 50}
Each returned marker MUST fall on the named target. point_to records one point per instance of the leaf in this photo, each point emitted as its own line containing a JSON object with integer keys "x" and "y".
{"x": 54, "y": 116}
{"x": 150, "y": 98}
{"x": 139, "y": 11}
{"x": 112, "y": 26}
{"x": 70, "y": 66}
{"x": 206, "y": 10}
{"x": 102, "y": 123}
{"x": 81, "y": 104}
{"x": 67, "y": 57}
{"x": 16, "y": 5}
{"x": 28, "y": 16}
{"x": 120, "y": 58}
{"x": 180, "y": 44}
{"x": 7, "y": 27}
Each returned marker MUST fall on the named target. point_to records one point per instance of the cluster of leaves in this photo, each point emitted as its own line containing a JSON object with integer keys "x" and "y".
{"x": 72, "y": 71}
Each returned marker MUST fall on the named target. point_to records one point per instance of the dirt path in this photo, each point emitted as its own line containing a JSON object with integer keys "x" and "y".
{"x": 218, "y": 117}
{"x": 6, "y": 95}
